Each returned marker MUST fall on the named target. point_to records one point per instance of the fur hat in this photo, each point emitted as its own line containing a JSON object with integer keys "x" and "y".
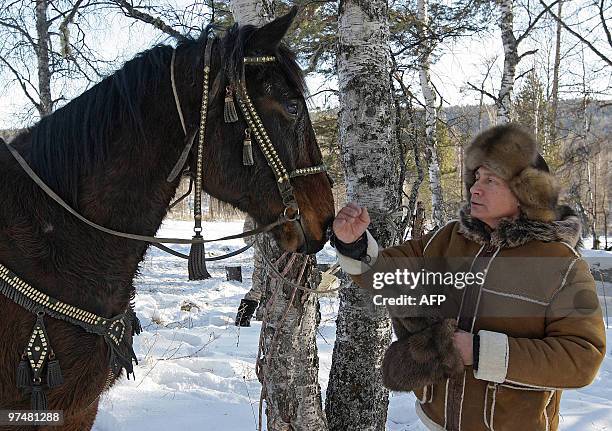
{"x": 511, "y": 152}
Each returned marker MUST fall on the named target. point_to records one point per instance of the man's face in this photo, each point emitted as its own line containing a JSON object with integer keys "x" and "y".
{"x": 492, "y": 199}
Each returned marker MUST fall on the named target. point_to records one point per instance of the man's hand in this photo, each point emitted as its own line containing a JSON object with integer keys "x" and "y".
{"x": 351, "y": 222}
{"x": 463, "y": 342}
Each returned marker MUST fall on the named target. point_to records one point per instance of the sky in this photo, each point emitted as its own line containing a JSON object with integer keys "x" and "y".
{"x": 458, "y": 63}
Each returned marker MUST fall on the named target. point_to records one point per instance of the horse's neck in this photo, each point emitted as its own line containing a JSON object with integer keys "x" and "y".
{"x": 63, "y": 257}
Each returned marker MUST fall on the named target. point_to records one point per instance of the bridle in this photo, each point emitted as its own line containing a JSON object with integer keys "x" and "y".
{"x": 255, "y": 126}
{"x": 291, "y": 211}
{"x": 237, "y": 90}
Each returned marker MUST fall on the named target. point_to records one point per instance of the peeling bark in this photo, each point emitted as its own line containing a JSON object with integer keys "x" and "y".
{"x": 356, "y": 398}
{"x": 431, "y": 117}
{"x": 42, "y": 55}
{"x": 511, "y": 59}
{"x": 289, "y": 365}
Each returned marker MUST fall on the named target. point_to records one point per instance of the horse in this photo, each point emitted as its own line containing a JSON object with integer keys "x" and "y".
{"x": 108, "y": 154}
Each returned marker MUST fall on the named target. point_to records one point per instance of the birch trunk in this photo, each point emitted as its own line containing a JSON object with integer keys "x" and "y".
{"x": 42, "y": 55}
{"x": 253, "y": 12}
{"x": 290, "y": 362}
{"x": 555, "y": 84}
{"x": 431, "y": 117}
{"x": 356, "y": 398}
{"x": 511, "y": 59}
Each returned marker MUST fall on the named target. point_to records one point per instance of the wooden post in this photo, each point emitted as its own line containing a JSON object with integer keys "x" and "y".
{"x": 233, "y": 273}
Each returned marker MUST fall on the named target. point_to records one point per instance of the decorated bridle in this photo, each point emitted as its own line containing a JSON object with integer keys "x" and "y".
{"x": 196, "y": 257}
{"x": 237, "y": 90}
{"x": 117, "y": 331}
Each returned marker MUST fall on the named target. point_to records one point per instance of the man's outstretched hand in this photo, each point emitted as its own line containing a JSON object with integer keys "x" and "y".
{"x": 351, "y": 222}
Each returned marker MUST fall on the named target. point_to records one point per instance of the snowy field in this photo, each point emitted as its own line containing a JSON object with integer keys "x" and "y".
{"x": 196, "y": 368}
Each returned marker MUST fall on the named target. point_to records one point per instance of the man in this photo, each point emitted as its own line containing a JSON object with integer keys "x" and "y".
{"x": 500, "y": 351}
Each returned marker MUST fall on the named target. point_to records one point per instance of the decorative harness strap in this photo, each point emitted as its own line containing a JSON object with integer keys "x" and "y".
{"x": 117, "y": 332}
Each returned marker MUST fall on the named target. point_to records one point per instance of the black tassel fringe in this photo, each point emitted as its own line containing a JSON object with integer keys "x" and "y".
{"x": 197, "y": 263}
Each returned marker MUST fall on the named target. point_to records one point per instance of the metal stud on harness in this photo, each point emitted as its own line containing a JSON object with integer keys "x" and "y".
{"x": 291, "y": 212}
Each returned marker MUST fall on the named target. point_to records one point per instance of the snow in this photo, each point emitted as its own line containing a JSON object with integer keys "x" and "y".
{"x": 196, "y": 369}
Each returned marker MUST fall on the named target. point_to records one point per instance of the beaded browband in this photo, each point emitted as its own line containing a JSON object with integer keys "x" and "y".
{"x": 117, "y": 332}
{"x": 235, "y": 90}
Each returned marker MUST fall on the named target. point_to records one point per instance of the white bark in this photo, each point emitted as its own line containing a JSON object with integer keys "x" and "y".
{"x": 253, "y": 12}
{"x": 431, "y": 117}
{"x": 555, "y": 84}
{"x": 356, "y": 399}
{"x": 290, "y": 362}
{"x": 511, "y": 59}
{"x": 44, "y": 74}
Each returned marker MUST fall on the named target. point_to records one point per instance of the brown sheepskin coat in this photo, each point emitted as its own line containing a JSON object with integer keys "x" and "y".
{"x": 537, "y": 316}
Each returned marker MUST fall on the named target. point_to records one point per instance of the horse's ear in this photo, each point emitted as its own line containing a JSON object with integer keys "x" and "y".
{"x": 267, "y": 38}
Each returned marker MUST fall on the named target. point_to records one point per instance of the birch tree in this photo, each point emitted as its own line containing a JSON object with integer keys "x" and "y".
{"x": 44, "y": 47}
{"x": 511, "y": 42}
{"x": 356, "y": 398}
{"x": 289, "y": 364}
{"x": 431, "y": 116}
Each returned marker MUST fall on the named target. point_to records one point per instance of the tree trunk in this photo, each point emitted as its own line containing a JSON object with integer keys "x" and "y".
{"x": 555, "y": 84}
{"x": 290, "y": 362}
{"x": 356, "y": 398}
{"x": 431, "y": 117}
{"x": 511, "y": 59}
{"x": 44, "y": 74}
{"x": 253, "y": 12}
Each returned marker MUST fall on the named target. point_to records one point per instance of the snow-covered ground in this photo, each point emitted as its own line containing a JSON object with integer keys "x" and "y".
{"x": 196, "y": 368}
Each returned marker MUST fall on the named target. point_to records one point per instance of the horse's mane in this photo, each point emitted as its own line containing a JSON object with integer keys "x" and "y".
{"x": 72, "y": 141}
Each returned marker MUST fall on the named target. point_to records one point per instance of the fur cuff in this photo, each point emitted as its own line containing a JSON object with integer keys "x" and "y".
{"x": 493, "y": 356}
{"x": 423, "y": 358}
{"x": 356, "y": 267}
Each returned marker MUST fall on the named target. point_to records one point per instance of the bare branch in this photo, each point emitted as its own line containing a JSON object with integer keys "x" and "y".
{"x": 131, "y": 12}
{"x": 523, "y": 74}
{"x": 21, "y": 83}
{"x": 535, "y": 21}
{"x": 482, "y": 91}
{"x": 603, "y": 22}
{"x": 575, "y": 34}
{"x": 525, "y": 54}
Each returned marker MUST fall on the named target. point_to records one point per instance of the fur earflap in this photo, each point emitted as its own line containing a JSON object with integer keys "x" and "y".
{"x": 537, "y": 192}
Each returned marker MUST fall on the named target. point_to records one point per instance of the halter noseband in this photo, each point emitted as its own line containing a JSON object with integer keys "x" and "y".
{"x": 255, "y": 126}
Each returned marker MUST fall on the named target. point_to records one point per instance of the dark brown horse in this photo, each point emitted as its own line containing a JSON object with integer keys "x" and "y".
{"x": 108, "y": 154}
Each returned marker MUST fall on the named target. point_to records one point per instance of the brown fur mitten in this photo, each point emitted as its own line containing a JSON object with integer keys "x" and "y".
{"x": 423, "y": 354}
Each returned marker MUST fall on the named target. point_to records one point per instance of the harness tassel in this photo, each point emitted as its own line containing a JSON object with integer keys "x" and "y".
{"x": 197, "y": 263}
{"x": 54, "y": 373}
{"x": 39, "y": 398}
{"x": 247, "y": 149}
{"x": 24, "y": 375}
{"x": 229, "y": 110}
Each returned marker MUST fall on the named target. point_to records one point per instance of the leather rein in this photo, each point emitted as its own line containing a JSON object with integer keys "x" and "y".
{"x": 290, "y": 213}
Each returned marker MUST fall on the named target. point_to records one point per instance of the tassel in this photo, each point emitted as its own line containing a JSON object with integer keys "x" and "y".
{"x": 247, "y": 149}
{"x": 54, "y": 373}
{"x": 39, "y": 398}
{"x": 24, "y": 375}
{"x": 196, "y": 263}
{"x": 229, "y": 110}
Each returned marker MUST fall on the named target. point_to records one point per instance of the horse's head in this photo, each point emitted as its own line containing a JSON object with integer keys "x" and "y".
{"x": 252, "y": 72}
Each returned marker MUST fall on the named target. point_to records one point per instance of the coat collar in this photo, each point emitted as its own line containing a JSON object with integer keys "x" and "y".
{"x": 514, "y": 233}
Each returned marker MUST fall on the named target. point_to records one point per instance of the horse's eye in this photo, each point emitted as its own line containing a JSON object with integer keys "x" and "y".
{"x": 292, "y": 107}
